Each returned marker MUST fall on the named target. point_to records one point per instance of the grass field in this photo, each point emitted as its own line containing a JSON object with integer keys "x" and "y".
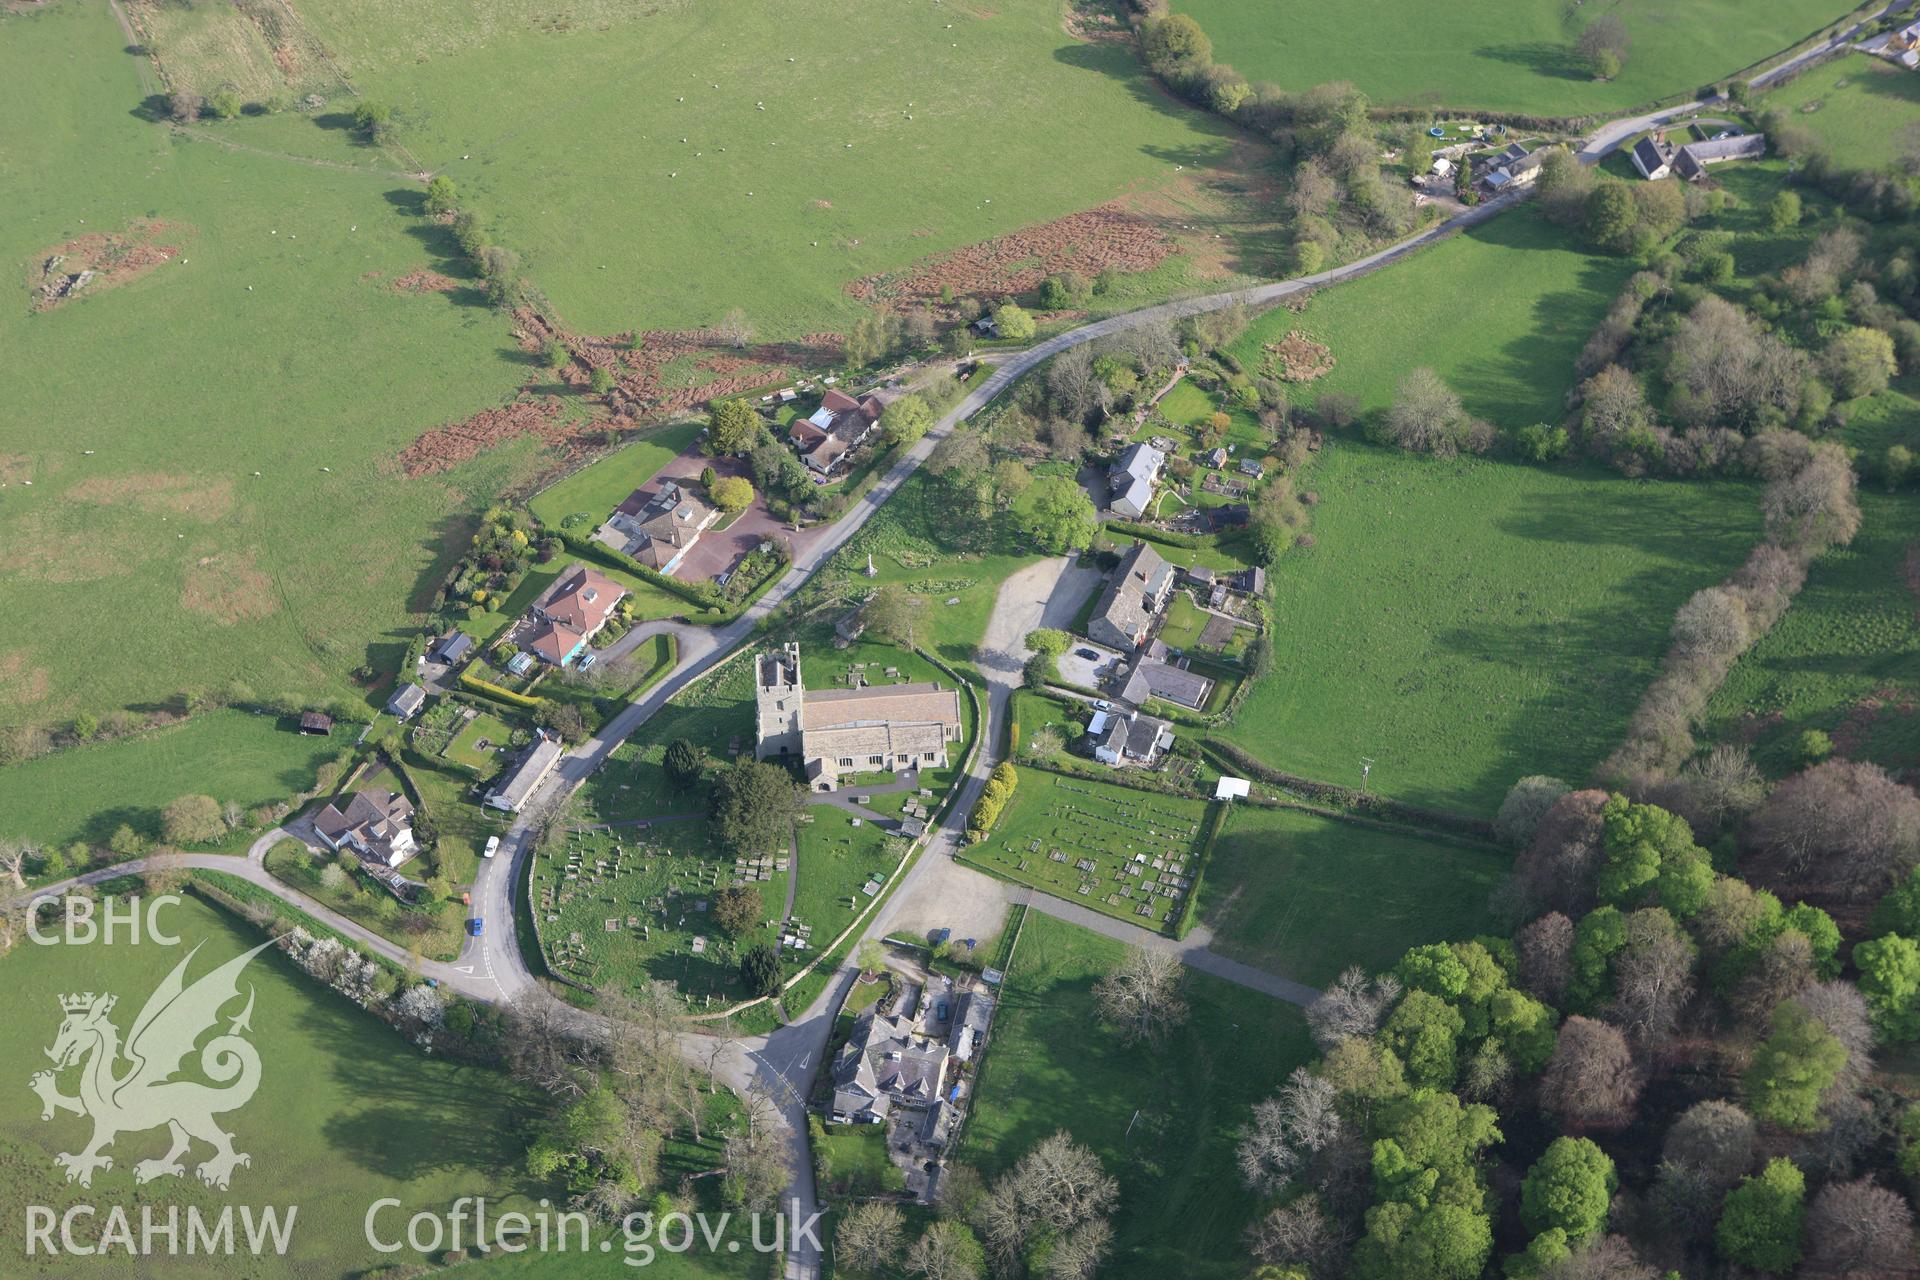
{"x": 1499, "y": 312}
{"x": 1163, "y": 1122}
{"x": 1846, "y": 657}
{"x": 1864, "y": 108}
{"x": 1512, "y": 57}
{"x": 211, "y": 445}
{"x": 86, "y": 792}
{"x": 1125, "y": 853}
{"x": 1306, "y": 896}
{"x": 584, "y": 499}
{"x": 347, "y": 1112}
{"x": 929, "y": 147}
{"x": 650, "y": 882}
{"x": 1465, "y": 623}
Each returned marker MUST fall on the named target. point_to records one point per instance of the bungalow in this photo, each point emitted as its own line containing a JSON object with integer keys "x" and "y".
{"x": 839, "y": 426}
{"x": 657, "y": 529}
{"x": 568, "y": 614}
{"x": 535, "y": 764}
{"x": 377, "y": 826}
{"x": 1134, "y": 739}
{"x": 1133, "y": 598}
{"x": 1130, "y": 481}
{"x": 407, "y": 701}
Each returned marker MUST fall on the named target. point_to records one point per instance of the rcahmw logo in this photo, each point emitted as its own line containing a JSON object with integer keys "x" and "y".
{"x": 130, "y": 1086}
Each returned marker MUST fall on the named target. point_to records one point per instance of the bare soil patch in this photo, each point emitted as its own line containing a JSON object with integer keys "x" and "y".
{"x": 422, "y": 280}
{"x": 100, "y": 260}
{"x": 15, "y": 467}
{"x": 158, "y": 493}
{"x": 21, "y": 682}
{"x": 1298, "y": 358}
{"x": 229, "y": 588}
{"x": 1088, "y": 242}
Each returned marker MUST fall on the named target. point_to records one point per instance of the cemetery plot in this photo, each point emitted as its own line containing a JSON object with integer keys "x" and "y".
{"x": 714, "y": 714}
{"x": 1130, "y": 854}
{"x": 625, "y": 905}
{"x": 845, "y": 863}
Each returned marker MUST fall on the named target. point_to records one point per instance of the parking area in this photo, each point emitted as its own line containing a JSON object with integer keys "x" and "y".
{"x": 1089, "y": 672}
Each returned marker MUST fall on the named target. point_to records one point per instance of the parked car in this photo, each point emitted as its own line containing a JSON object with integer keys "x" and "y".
{"x": 493, "y": 847}
{"x": 1101, "y": 704}
{"x": 721, "y": 580}
{"x": 1088, "y": 654}
{"x": 475, "y": 926}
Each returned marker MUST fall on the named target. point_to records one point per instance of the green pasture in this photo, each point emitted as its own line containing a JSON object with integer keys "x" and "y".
{"x": 585, "y": 499}
{"x": 347, "y": 1112}
{"x": 212, "y": 446}
{"x": 1164, "y": 1121}
{"x": 1515, "y": 57}
{"x": 1464, "y": 623}
{"x": 1864, "y": 108}
{"x": 650, "y": 882}
{"x": 1305, "y": 896}
{"x": 1499, "y": 312}
{"x": 684, "y": 199}
{"x": 86, "y": 792}
{"x": 1133, "y": 855}
{"x": 1845, "y": 659}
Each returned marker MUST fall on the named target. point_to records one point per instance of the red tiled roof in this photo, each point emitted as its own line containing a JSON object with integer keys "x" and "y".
{"x": 581, "y": 599}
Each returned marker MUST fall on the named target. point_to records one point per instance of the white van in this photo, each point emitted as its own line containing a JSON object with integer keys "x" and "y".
{"x": 493, "y": 847}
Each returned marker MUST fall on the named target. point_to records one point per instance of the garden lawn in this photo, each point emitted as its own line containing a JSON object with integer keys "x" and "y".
{"x": 1164, "y": 1122}
{"x": 86, "y": 792}
{"x": 582, "y": 879}
{"x": 347, "y": 1112}
{"x": 1305, "y": 896}
{"x": 1499, "y": 312}
{"x": 212, "y": 445}
{"x": 1864, "y": 108}
{"x": 436, "y": 931}
{"x": 1113, "y": 849}
{"x": 1516, "y": 57}
{"x": 561, "y": 127}
{"x": 1465, "y": 623}
{"x": 1845, "y": 659}
{"x": 857, "y": 1163}
{"x": 466, "y": 750}
{"x": 584, "y": 500}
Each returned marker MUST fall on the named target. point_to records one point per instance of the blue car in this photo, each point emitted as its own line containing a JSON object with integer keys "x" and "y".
{"x": 474, "y": 926}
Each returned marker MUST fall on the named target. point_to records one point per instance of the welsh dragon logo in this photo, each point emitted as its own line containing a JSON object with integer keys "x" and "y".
{"x": 144, "y": 1093}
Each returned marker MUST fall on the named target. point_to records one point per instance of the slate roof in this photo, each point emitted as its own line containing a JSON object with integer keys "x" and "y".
{"x": 1162, "y": 680}
{"x": 1137, "y": 587}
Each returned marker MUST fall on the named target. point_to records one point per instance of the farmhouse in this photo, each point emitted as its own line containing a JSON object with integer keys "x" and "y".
{"x": 1133, "y": 598}
{"x": 1654, "y": 157}
{"x": 885, "y": 1060}
{"x": 568, "y": 614}
{"x": 525, "y": 778}
{"x": 1130, "y": 481}
{"x": 1511, "y": 169}
{"x": 886, "y": 728}
{"x": 1134, "y": 739}
{"x": 839, "y": 426}
{"x": 407, "y": 701}
{"x": 657, "y": 529}
{"x": 377, "y": 826}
